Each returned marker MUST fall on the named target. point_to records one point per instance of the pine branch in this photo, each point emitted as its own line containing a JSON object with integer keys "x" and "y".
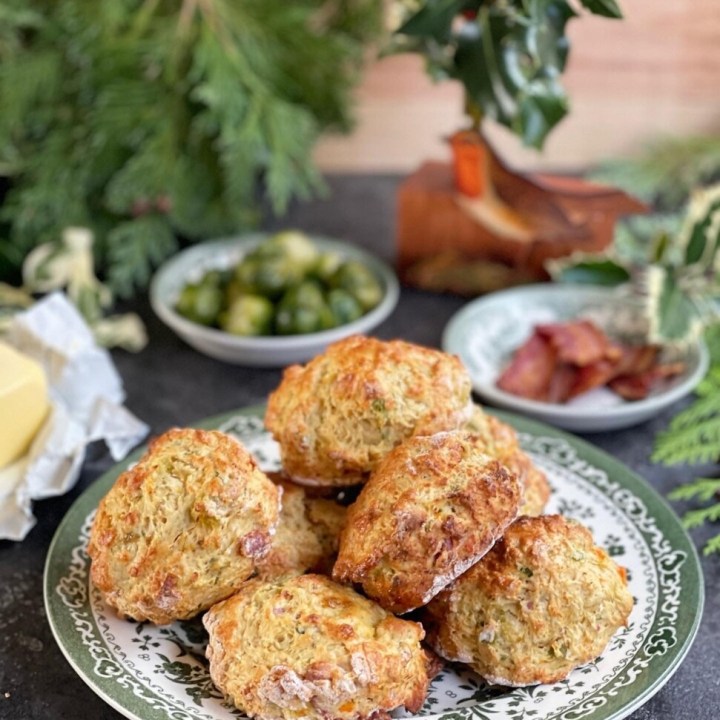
{"x": 702, "y": 489}
{"x": 712, "y": 546}
{"x": 24, "y": 79}
{"x": 694, "y": 444}
{"x": 135, "y": 248}
{"x": 710, "y": 383}
{"x": 695, "y": 518}
{"x": 110, "y": 110}
{"x": 694, "y": 434}
{"x": 145, "y": 176}
{"x": 289, "y": 171}
{"x": 707, "y": 405}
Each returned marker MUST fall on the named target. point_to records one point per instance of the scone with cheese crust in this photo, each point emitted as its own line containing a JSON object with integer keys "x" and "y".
{"x": 543, "y": 601}
{"x": 305, "y": 647}
{"x": 338, "y": 416}
{"x": 183, "y": 528}
{"x": 307, "y": 535}
{"x": 433, "y": 507}
{"x": 501, "y": 442}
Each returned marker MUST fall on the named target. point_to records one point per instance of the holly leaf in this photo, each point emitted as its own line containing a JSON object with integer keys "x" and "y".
{"x": 433, "y": 20}
{"x": 479, "y": 64}
{"x": 542, "y": 107}
{"x": 673, "y": 318}
{"x": 508, "y": 55}
{"x": 594, "y": 272}
{"x": 510, "y": 66}
{"x": 606, "y": 8}
{"x": 701, "y": 242}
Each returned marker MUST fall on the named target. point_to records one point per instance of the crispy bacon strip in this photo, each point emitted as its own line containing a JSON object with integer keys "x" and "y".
{"x": 562, "y": 382}
{"x": 595, "y": 375}
{"x": 637, "y": 359}
{"x": 579, "y": 342}
{"x": 531, "y": 369}
{"x": 638, "y": 385}
{"x": 563, "y": 360}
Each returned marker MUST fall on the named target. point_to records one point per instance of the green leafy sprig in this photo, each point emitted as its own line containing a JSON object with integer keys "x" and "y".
{"x": 672, "y": 272}
{"x": 693, "y": 436}
{"x": 703, "y": 490}
{"x": 666, "y": 171}
{"x": 146, "y": 120}
{"x": 508, "y": 55}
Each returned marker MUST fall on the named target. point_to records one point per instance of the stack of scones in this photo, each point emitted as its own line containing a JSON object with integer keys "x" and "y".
{"x": 301, "y": 592}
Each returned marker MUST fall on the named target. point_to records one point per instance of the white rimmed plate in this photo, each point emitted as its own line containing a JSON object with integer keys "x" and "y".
{"x": 486, "y": 332}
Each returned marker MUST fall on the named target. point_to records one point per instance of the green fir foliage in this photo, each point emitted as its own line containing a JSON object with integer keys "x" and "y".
{"x": 702, "y": 490}
{"x": 694, "y": 434}
{"x": 694, "y": 437}
{"x": 146, "y": 119}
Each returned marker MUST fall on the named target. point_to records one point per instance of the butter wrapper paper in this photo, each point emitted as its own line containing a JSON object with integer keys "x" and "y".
{"x": 86, "y": 404}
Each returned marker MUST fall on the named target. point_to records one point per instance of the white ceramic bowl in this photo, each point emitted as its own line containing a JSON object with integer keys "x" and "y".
{"x": 266, "y": 351}
{"x": 486, "y": 332}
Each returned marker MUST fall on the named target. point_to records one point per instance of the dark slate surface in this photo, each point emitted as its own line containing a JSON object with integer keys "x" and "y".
{"x": 170, "y": 384}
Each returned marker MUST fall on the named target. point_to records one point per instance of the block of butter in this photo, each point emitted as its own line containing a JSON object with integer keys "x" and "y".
{"x": 23, "y": 402}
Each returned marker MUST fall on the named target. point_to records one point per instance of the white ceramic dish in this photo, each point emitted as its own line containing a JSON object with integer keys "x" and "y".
{"x": 488, "y": 330}
{"x": 271, "y": 351}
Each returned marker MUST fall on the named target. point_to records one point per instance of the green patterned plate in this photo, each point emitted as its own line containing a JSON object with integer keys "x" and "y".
{"x": 155, "y": 673}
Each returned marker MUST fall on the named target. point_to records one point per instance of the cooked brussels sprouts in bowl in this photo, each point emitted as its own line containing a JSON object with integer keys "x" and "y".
{"x": 271, "y": 300}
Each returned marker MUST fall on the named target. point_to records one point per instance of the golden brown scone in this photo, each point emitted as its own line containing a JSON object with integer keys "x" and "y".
{"x": 500, "y": 438}
{"x": 307, "y": 535}
{"x": 305, "y": 647}
{"x": 501, "y": 442}
{"x": 336, "y": 417}
{"x": 544, "y": 600}
{"x": 434, "y": 506}
{"x": 183, "y": 528}
{"x": 536, "y": 490}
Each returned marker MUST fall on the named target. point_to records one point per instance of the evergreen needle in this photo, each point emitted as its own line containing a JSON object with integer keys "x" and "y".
{"x": 695, "y": 518}
{"x": 701, "y": 489}
{"x": 128, "y": 117}
{"x": 712, "y": 545}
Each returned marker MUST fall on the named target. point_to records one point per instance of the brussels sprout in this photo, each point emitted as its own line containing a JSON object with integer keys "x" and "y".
{"x": 326, "y": 265}
{"x": 232, "y": 290}
{"x": 303, "y": 310}
{"x": 307, "y": 294}
{"x": 185, "y": 304}
{"x": 296, "y": 247}
{"x": 266, "y": 276}
{"x": 358, "y": 280}
{"x": 213, "y": 277}
{"x": 244, "y": 276}
{"x": 200, "y": 302}
{"x": 248, "y": 315}
{"x": 345, "y": 308}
